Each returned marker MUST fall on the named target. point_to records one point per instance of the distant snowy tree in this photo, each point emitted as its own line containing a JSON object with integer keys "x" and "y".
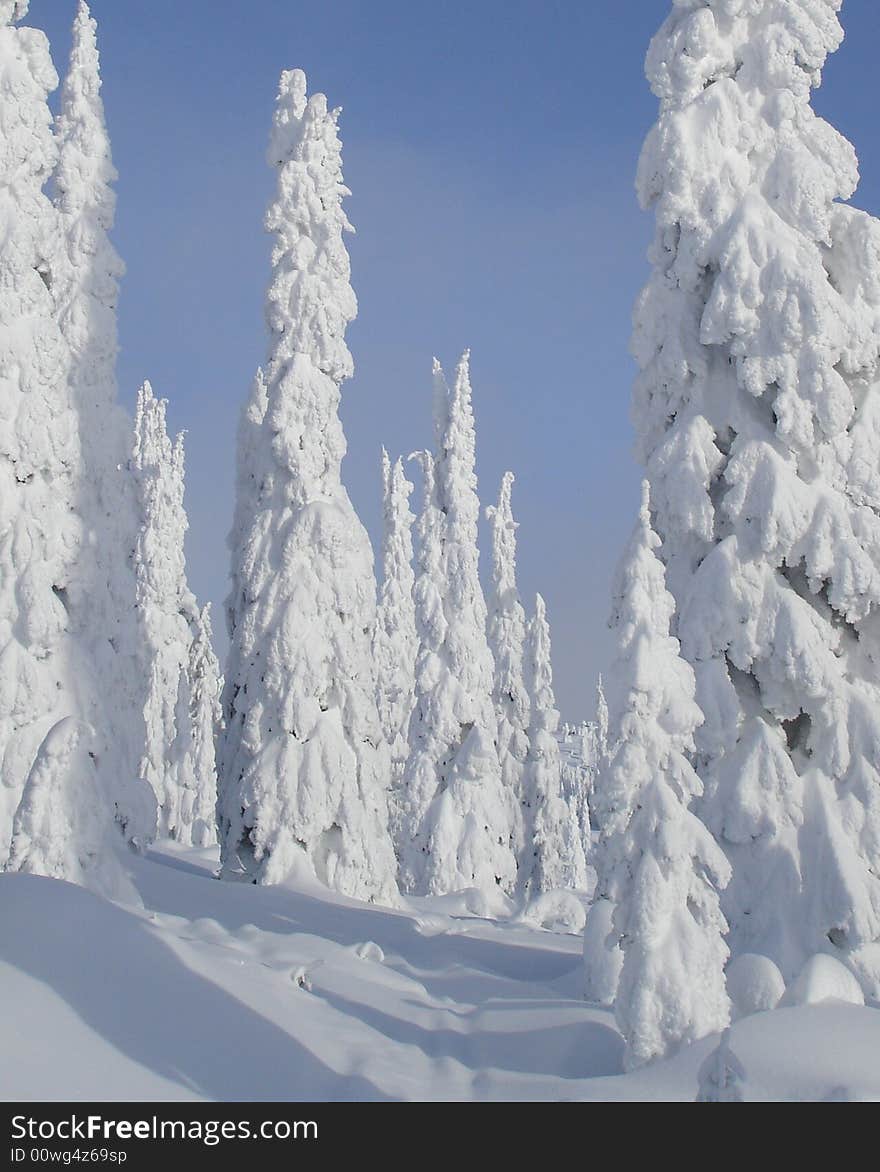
{"x": 507, "y": 634}
{"x": 454, "y": 822}
{"x": 657, "y": 863}
{"x": 577, "y": 749}
{"x": 304, "y": 768}
{"x": 168, "y": 615}
{"x": 601, "y": 721}
{"x": 395, "y": 642}
{"x": 554, "y": 854}
{"x": 85, "y": 286}
{"x": 197, "y": 724}
{"x": 757, "y": 409}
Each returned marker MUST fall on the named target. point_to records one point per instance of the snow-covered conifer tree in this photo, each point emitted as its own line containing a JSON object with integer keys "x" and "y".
{"x": 168, "y": 617}
{"x": 85, "y": 287}
{"x": 757, "y": 414}
{"x": 507, "y": 633}
{"x": 657, "y": 864}
{"x": 454, "y": 827}
{"x": 197, "y": 724}
{"x": 395, "y": 643}
{"x": 64, "y": 825}
{"x": 45, "y": 672}
{"x": 577, "y": 749}
{"x": 601, "y": 721}
{"x": 304, "y": 768}
{"x": 433, "y": 692}
{"x": 553, "y": 857}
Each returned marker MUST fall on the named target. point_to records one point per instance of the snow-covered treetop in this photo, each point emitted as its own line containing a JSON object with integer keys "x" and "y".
{"x": 743, "y": 176}
{"x": 641, "y": 600}
{"x": 12, "y": 10}
{"x": 310, "y": 301}
{"x": 504, "y": 529}
{"x": 159, "y": 466}
{"x": 85, "y": 172}
{"x": 704, "y": 40}
{"x": 539, "y": 670}
{"x": 456, "y": 456}
{"x": 152, "y": 447}
{"x": 456, "y": 484}
{"x": 440, "y": 405}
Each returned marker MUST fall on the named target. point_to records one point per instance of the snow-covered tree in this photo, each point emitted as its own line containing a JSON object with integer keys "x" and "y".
{"x": 197, "y": 724}
{"x": 85, "y": 286}
{"x": 577, "y": 750}
{"x": 657, "y": 863}
{"x": 507, "y": 634}
{"x": 395, "y": 642}
{"x": 45, "y": 673}
{"x": 601, "y": 736}
{"x": 304, "y": 767}
{"x": 553, "y": 857}
{"x": 454, "y": 829}
{"x": 64, "y": 825}
{"x": 166, "y": 611}
{"x": 757, "y": 409}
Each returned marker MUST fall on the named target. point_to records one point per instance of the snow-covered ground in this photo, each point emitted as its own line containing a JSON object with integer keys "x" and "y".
{"x": 231, "y": 992}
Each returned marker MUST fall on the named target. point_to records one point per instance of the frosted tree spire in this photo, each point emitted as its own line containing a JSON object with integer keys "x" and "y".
{"x": 507, "y": 633}
{"x": 553, "y": 858}
{"x": 86, "y": 290}
{"x": 455, "y": 818}
{"x": 304, "y": 767}
{"x": 756, "y": 406}
{"x": 656, "y": 863}
{"x": 395, "y": 642}
{"x": 169, "y": 621}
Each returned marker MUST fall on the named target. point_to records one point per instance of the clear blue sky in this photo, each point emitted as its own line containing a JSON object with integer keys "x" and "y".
{"x": 491, "y": 148}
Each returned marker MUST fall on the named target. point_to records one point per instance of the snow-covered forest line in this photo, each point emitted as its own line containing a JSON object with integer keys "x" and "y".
{"x": 391, "y": 733}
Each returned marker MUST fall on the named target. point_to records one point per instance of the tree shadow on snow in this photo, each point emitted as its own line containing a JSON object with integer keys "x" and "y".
{"x": 332, "y": 917}
{"x": 582, "y": 1050}
{"x": 127, "y": 985}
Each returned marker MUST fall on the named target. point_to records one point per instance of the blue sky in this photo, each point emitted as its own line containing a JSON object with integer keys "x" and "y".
{"x": 490, "y": 148}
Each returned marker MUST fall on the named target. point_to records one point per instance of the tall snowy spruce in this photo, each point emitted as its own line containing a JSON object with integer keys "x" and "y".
{"x": 85, "y": 287}
{"x": 395, "y": 642}
{"x": 657, "y": 865}
{"x": 507, "y": 635}
{"x": 304, "y": 768}
{"x": 170, "y": 626}
{"x": 553, "y": 858}
{"x": 757, "y": 409}
{"x": 49, "y": 693}
{"x": 454, "y": 825}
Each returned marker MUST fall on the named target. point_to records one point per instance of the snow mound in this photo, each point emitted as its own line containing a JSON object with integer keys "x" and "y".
{"x": 722, "y": 1076}
{"x": 754, "y": 984}
{"x": 823, "y": 979}
{"x": 369, "y": 950}
{"x": 558, "y": 911}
